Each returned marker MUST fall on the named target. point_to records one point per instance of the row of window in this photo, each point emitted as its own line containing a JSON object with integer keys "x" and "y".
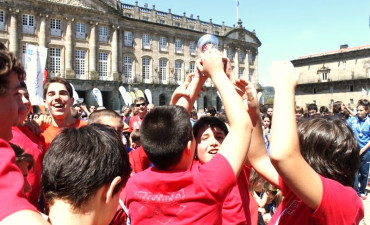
{"x": 80, "y": 65}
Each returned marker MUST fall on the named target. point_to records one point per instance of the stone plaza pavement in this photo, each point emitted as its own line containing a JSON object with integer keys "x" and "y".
{"x": 366, "y": 220}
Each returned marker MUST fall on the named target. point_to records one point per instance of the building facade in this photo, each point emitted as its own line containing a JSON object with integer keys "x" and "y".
{"x": 339, "y": 75}
{"x": 108, "y": 44}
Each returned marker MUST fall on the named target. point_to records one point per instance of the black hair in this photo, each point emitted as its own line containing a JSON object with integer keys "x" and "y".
{"x": 61, "y": 81}
{"x": 81, "y": 161}
{"x": 164, "y": 134}
{"x": 330, "y": 148}
{"x": 364, "y": 103}
{"x": 211, "y": 110}
{"x": 8, "y": 64}
{"x": 312, "y": 106}
{"x": 324, "y": 109}
{"x": 337, "y": 106}
{"x": 209, "y": 121}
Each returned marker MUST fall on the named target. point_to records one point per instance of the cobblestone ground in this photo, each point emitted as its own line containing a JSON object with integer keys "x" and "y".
{"x": 366, "y": 220}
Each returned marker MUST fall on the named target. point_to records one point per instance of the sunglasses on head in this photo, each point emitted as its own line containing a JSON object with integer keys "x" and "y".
{"x": 140, "y": 104}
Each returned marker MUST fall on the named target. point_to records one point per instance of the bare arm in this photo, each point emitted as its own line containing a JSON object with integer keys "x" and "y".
{"x": 236, "y": 144}
{"x": 285, "y": 153}
{"x": 186, "y": 94}
{"x": 257, "y": 154}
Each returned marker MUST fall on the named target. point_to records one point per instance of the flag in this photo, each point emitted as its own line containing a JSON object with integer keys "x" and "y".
{"x": 237, "y": 3}
{"x": 35, "y": 61}
{"x": 364, "y": 92}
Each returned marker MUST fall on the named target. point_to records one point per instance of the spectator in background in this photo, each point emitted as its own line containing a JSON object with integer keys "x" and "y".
{"x": 312, "y": 109}
{"x": 299, "y": 112}
{"x": 270, "y": 111}
{"x": 92, "y": 108}
{"x": 360, "y": 125}
{"x": 141, "y": 106}
{"x": 150, "y": 107}
{"x": 324, "y": 111}
{"x": 193, "y": 117}
{"x": 210, "y": 111}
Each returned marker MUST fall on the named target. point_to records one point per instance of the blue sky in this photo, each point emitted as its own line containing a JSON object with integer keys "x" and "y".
{"x": 287, "y": 29}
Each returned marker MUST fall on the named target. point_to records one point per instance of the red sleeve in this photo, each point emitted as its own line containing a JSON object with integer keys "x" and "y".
{"x": 130, "y": 128}
{"x": 11, "y": 183}
{"x": 138, "y": 160}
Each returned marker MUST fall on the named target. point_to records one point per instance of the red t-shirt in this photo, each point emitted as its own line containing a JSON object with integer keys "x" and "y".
{"x": 135, "y": 123}
{"x": 138, "y": 160}
{"x": 11, "y": 184}
{"x": 51, "y": 132}
{"x": 32, "y": 145}
{"x": 339, "y": 205}
{"x": 187, "y": 197}
{"x": 235, "y": 209}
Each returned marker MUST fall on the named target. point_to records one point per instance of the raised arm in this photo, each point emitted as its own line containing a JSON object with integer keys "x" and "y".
{"x": 187, "y": 93}
{"x": 236, "y": 144}
{"x": 257, "y": 154}
{"x": 285, "y": 153}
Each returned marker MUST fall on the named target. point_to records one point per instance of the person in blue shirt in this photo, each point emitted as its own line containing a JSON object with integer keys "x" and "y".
{"x": 360, "y": 125}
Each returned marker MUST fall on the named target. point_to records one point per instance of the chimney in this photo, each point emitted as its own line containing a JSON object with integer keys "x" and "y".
{"x": 343, "y": 46}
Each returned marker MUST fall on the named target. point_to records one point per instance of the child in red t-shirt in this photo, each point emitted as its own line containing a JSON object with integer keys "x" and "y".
{"x": 175, "y": 190}
{"x": 316, "y": 165}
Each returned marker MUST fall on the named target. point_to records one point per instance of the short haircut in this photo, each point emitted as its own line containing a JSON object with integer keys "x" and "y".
{"x": 96, "y": 116}
{"x": 324, "y": 109}
{"x": 211, "y": 110}
{"x": 22, "y": 156}
{"x": 135, "y": 135}
{"x": 139, "y": 99}
{"x": 164, "y": 134}
{"x": 312, "y": 106}
{"x": 299, "y": 109}
{"x": 61, "y": 81}
{"x": 8, "y": 64}
{"x": 330, "y": 148}
{"x": 337, "y": 106}
{"x": 81, "y": 161}
{"x": 364, "y": 103}
{"x": 209, "y": 121}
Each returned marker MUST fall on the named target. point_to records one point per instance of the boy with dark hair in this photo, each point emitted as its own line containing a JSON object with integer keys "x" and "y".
{"x": 83, "y": 173}
{"x": 360, "y": 125}
{"x": 58, "y": 97}
{"x": 315, "y": 166}
{"x": 312, "y": 109}
{"x": 175, "y": 190}
{"x": 15, "y": 208}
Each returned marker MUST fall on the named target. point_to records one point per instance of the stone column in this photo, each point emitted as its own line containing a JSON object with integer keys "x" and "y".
{"x": 93, "y": 74}
{"x": 70, "y": 74}
{"x": 236, "y": 63}
{"x": 13, "y": 34}
{"x": 114, "y": 45}
{"x": 255, "y": 74}
{"x": 42, "y": 33}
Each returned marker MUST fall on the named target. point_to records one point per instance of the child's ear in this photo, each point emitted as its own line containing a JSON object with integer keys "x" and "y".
{"x": 112, "y": 186}
{"x": 191, "y": 146}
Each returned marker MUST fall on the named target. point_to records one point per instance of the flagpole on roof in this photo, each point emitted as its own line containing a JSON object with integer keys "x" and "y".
{"x": 237, "y": 10}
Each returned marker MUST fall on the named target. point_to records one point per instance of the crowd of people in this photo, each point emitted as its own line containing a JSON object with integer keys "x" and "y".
{"x": 280, "y": 164}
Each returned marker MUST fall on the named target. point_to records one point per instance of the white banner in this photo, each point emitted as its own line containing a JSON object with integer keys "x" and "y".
{"x": 122, "y": 91}
{"x": 75, "y": 94}
{"x": 97, "y": 96}
{"x": 35, "y": 60}
{"x": 148, "y": 94}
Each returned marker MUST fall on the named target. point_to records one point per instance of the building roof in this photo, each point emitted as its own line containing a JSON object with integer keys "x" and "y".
{"x": 333, "y": 52}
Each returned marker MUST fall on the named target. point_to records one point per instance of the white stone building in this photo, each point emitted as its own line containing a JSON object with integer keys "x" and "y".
{"x": 338, "y": 75}
{"x": 107, "y": 44}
